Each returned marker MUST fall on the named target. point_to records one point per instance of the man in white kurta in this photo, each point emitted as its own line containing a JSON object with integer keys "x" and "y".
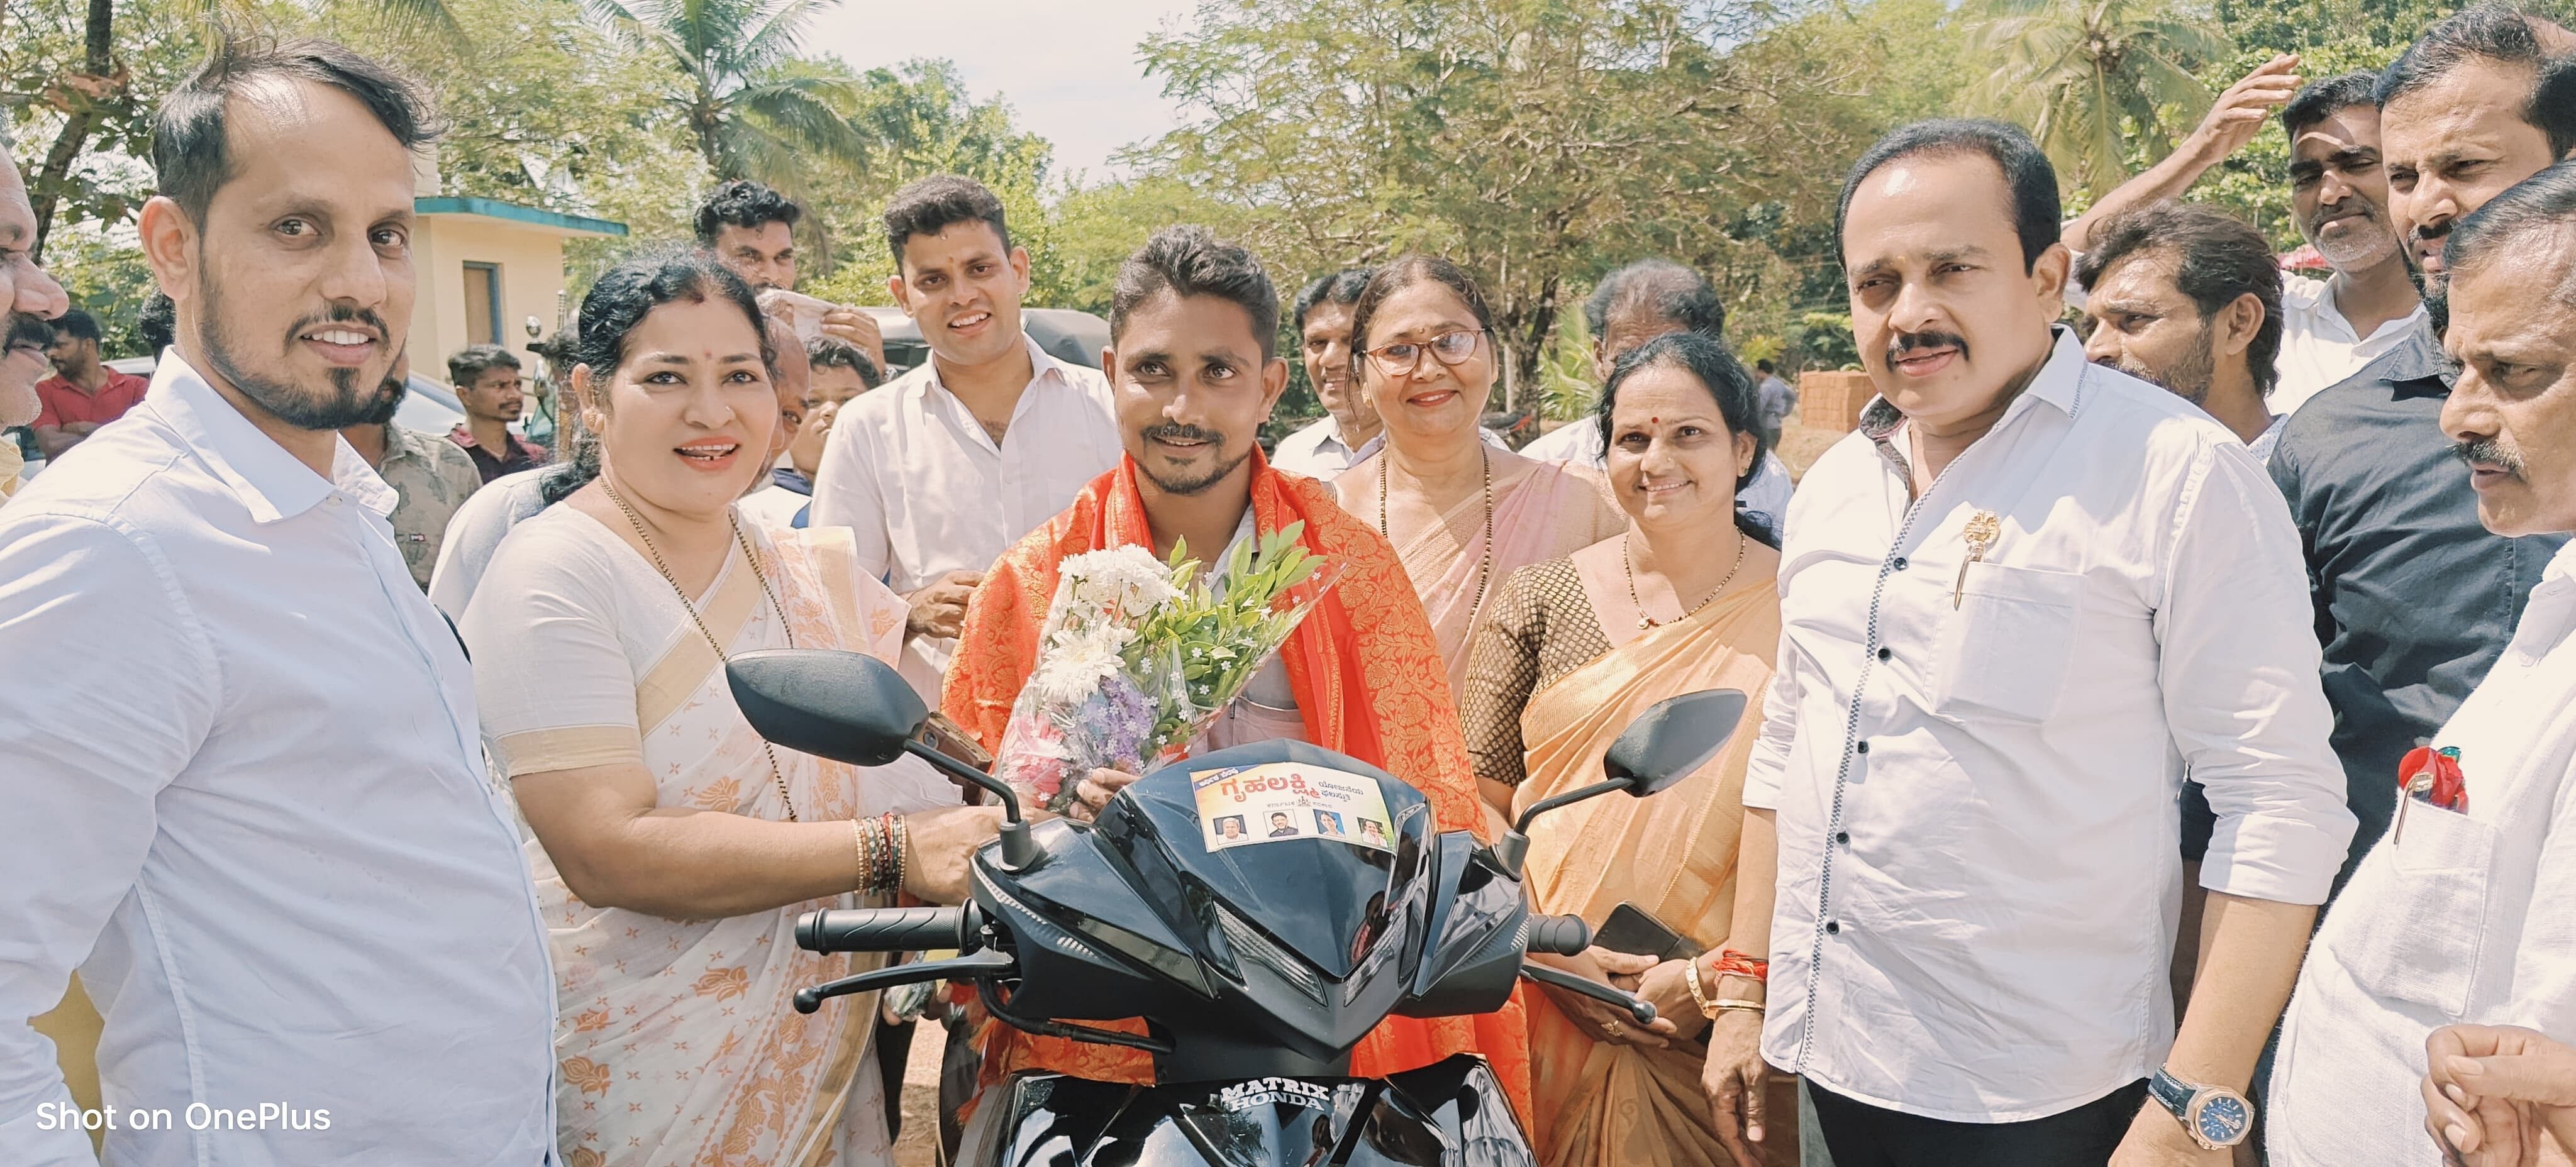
{"x": 2466, "y": 913}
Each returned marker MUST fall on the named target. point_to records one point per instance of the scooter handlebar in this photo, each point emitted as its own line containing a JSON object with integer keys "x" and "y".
{"x": 881, "y": 930}
{"x": 1559, "y": 935}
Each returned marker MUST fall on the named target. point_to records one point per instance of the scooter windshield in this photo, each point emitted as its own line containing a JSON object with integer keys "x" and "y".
{"x": 1323, "y": 850}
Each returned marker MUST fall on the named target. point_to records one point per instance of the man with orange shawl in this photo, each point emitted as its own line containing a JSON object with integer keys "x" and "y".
{"x": 1194, "y": 369}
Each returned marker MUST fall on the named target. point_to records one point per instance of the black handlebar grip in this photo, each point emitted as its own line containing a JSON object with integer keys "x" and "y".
{"x": 1561, "y": 935}
{"x": 881, "y": 929}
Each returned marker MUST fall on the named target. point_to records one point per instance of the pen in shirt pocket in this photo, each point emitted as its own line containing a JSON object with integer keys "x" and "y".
{"x": 2431, "y": 776}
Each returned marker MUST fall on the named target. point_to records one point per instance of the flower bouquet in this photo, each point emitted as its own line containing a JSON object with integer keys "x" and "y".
{"x": 1138, "y": 656}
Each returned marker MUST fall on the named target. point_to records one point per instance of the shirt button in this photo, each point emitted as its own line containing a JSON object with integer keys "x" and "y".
{"x": 1833, "y": 927}
{"x": 1884, "y": 653}
{"x": 1862, "y": 747}
{"x": 1899, "y": 564}
{"x": 1843, "y": 837}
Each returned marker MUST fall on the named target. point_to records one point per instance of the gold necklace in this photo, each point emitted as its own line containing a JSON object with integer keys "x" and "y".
{"x": 1485, "y": 566}
{"x": 1627, "y": 564}
{"x": 655, "y": 553}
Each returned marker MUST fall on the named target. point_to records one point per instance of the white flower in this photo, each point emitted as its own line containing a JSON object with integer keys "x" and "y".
{"x": 1072, "y": 669}
{"x": 1126, "y": 582}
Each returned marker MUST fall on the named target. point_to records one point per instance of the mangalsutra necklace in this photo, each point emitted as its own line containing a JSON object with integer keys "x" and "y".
{"x": 1628, "y": 564}
{"x": 692, "y": 609}
{"x": 1485, "y": 566}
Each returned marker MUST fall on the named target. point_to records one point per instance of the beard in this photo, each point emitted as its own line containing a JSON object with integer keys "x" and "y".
{"x": 2188, "y": 377}
{"x": 348, "y": 399}
{"x": 396, "y": 386}
{"x": 2361, "y": 246}
{"x": 2434, "y": 291}
{"x": 1196, "y": 484}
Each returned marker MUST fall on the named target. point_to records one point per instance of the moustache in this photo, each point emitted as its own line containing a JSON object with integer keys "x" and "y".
{"x": 1182, "y": 433}
{"x": 2428, "y": 232}
{"x": 2330, "y": 213}
{"x": 2489, "y": 452}
{"x": 1907, "y": 343}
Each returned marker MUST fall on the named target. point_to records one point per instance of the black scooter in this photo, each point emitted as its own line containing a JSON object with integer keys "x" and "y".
{"x": 1256, "y": 963}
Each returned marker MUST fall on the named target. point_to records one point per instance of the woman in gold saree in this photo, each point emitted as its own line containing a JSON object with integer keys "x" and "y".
{"x": 1462, "y": 514}
{"x": 672, "y": 848}
{"x": 1577, "y": 647}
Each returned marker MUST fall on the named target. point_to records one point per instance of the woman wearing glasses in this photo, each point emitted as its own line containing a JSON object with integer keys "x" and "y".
{"x": 1461, "y": 514}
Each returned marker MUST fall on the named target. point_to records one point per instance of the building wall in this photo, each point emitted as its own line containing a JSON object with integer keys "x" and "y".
{"x": 532, "y": 274}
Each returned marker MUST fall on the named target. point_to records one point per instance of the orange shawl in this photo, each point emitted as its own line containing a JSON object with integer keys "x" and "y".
{"x": 1369, "y": 683}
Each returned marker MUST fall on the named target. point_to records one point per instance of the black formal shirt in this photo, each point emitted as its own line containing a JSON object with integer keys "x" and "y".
{"x": 2415, "y": 598}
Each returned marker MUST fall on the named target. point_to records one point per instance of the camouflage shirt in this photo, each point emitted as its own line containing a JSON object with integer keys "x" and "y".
{"x": 433, "y": 476}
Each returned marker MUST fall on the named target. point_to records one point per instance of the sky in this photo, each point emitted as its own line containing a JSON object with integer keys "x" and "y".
{"x": 1067, "y": 67}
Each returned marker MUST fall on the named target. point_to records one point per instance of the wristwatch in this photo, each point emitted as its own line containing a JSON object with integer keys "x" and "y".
{"x": 2216, "y": 1117}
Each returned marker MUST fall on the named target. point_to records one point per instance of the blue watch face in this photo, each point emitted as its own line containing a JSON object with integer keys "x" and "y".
{"x": 2223, "y": 1119}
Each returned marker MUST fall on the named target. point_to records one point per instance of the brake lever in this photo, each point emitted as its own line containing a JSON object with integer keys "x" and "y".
{"x": 973, "y": 966}
{"x": 1637, "y": 1007}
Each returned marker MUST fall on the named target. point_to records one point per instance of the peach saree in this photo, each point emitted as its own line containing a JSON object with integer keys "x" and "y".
{"x": 1550, "y": 511}
{"x": 1672, "y": 856}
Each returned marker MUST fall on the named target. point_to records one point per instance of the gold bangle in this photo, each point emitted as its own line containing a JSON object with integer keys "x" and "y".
{"x": 1740, "y": 1004}
{"x": 1699, "y": 996}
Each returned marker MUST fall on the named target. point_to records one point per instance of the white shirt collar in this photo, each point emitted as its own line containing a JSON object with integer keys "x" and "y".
{"x": 1042, "y": 367}
{"x": 2060, "y": 383}
{"x": 271, "y": 482}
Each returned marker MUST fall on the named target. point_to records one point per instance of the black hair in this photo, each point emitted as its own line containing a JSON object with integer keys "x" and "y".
{"x": 2495, "y": 32}
{"x": 1404, "y": 273}
{"x": 2025, "y": 167}
{"x": 474, "y": 360}
{"x": 2542, "y": 203}
{"x": 1763, "y": 365}
{"x": 2321, "y": 99}
{"x": 157, "y": 322}
{"x": 1671, "y": 292}
{"x": 618, "y": 302}
{"x": 831, "y": 352}
{"x": 191, "y": 156}
{"x": 2217, "y": 258}
{"x": 744, "y": 203}
{"x": 1342, "y": 287}
{"x": 1739, "y": 403}
{"x": 1192, "y": 261}
{"x": 81, "y": 325}
{"x": 931, "y": 205}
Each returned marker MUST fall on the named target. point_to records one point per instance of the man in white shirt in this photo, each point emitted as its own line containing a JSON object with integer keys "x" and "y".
{"x": 2189, "y": 298}
{"x": 247, "y": 798}
{"x": 2339, "y": 195}
{"x": 2018, "y": 605}
{"x": 942, "y": 470}
{"x": 2461, "y": 913}
{"x": 1349, "y": 431}
{"x": 1636, "y": 304}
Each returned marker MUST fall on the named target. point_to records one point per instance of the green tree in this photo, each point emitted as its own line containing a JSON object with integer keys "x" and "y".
{"x": 2088, "y": 76}
{"x": 1537, "y": 142}
{"x": 748, "y": 103}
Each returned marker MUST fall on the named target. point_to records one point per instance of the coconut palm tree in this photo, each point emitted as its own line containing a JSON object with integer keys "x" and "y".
{"x": 2088, "y": 75}
{"x": 753, "y": 108}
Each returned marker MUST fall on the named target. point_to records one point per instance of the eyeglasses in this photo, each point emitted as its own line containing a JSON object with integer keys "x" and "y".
{"x": 1402, "y": 358}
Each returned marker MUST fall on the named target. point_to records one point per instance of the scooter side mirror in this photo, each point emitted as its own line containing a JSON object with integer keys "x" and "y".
{"x": 1673, "y": 739}
{"x": 1667, "y": 743}
{"x": 854, "y": 708}
{"x": 845, "y": 706}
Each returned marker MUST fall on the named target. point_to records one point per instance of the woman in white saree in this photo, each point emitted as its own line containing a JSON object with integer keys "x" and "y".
{"x": 672, "y": 848}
